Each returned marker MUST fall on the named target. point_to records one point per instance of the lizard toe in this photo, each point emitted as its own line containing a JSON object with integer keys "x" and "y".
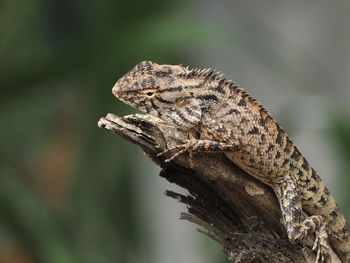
{"x": 321, "y": 245}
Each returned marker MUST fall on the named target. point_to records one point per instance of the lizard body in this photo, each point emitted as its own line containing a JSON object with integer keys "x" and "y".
{"x": 222, "y": 117}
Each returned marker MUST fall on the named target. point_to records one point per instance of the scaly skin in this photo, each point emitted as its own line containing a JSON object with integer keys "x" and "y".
{"x": 222, "y": 117}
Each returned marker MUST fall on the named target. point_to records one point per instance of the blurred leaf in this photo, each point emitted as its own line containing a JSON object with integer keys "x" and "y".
{"x": 31, "y": 221}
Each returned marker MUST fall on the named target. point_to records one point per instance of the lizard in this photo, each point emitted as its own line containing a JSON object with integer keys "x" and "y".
{"x": 222, "y": 117}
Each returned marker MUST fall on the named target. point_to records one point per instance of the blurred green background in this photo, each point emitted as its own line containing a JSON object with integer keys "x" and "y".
{"x": 70, "y": 192}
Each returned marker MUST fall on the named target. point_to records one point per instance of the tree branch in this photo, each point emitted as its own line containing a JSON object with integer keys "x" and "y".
{"x": 235, "y": 209}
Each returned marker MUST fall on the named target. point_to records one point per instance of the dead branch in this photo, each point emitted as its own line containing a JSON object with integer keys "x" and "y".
{"x": 233, "y": 208}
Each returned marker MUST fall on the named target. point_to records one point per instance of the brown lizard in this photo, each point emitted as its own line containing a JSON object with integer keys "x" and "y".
{"x": 222, "y": 117}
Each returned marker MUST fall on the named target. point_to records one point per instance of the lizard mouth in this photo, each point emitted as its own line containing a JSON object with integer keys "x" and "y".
{"x": 118, "y": 92}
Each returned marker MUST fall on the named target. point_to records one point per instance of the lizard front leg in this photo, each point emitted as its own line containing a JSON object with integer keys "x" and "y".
{"x": 196, "y": 145}
{"x": 297, "y": 229}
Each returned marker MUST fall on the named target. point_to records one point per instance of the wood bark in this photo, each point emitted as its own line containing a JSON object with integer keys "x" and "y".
{"x": 230, "y": 206}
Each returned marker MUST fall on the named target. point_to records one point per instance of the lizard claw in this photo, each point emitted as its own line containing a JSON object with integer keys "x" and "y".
{"x": 180, "y": 149}
{"x": 166, "y": 151}
{"x": 321, "y": 245}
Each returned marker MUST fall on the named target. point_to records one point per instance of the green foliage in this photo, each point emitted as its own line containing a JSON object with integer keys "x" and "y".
{"x": 66, "y": 193}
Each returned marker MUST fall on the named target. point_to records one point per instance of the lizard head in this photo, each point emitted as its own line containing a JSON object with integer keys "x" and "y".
{"x": 170, "y": 92}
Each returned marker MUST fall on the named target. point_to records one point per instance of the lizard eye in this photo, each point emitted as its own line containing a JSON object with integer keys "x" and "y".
{"x": 149, "y": 92}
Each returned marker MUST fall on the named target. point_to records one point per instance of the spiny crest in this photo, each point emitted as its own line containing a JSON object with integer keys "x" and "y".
{"x": 208, "y": 73}
{"x": 236, "y": 88}
{"x": 245, "y": 95}
{"x": 196, "y": 72}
